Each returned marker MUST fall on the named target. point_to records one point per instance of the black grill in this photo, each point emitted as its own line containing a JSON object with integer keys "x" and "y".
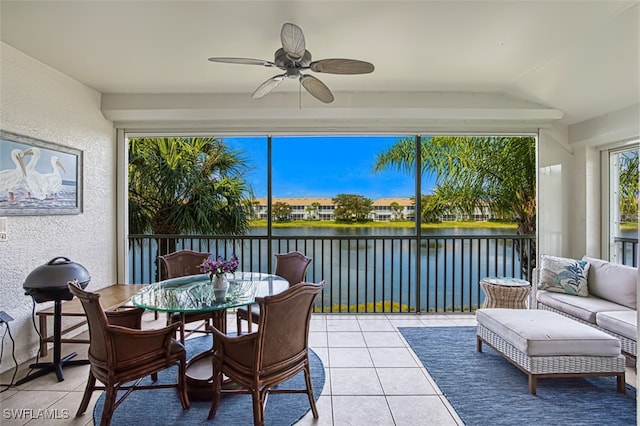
{"x": 47, "y": 283}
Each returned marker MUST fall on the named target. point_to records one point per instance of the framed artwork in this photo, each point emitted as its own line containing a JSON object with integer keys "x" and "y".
{"x": 38, "y": 177}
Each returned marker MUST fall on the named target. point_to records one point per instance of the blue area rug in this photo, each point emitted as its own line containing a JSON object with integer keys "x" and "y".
{"x": 162, "y": 406}
{"x": 486, "y": 389}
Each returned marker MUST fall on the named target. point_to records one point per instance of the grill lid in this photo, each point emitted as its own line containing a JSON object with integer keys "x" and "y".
{"x": 49, "y": 281}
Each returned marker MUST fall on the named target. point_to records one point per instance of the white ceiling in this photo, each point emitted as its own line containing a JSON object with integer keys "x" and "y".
{"x": 579, "y": 57}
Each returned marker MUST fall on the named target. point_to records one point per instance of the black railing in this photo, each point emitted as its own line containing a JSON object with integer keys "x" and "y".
{"x": 365, "y": 274}
{"x": 626, "y": 251}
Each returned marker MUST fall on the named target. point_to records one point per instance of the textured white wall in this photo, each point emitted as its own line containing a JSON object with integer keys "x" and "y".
{"x": 39, "y": 102}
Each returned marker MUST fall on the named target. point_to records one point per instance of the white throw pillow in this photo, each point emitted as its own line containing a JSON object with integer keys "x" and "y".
{"x": 563, "y": 275}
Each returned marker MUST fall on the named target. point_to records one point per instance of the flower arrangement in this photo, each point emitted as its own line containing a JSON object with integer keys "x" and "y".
{"x": 219, "y": 266}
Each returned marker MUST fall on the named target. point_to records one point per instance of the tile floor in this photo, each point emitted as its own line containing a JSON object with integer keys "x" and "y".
{"x": 372, "y": 377}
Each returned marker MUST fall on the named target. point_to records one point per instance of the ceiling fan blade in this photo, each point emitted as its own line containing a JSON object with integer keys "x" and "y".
{"x": 316, "y": 88}
{"x": 243, "y": 61}
{"x": 292, "y": 40}
{"x": 268, "y": 86}
{"x": 341, "y": 66}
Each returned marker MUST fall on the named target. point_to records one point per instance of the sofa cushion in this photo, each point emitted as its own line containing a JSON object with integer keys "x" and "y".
{"x": 563, "y": 275}
{"x": 613, "y": 281}
{"x": 584, "y": 308}
{"x": 624, "y": 323}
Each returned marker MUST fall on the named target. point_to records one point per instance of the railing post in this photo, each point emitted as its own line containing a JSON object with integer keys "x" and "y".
{"x": 418, "y": 221}
{"x": 269, "y": 207}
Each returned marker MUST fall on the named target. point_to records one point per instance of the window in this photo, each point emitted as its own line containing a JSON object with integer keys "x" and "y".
{"x": 623, "y": 205}
{"x": 308, "y": 172}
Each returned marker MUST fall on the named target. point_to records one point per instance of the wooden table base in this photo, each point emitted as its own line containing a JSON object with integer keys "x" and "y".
{"x": 199, "y": 371}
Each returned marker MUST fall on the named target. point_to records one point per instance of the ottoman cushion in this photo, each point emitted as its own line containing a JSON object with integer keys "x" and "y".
{"x": 544, "y": 333}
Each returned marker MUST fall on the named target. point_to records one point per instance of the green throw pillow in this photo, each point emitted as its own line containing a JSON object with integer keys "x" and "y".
{"x": 564, "y": 275}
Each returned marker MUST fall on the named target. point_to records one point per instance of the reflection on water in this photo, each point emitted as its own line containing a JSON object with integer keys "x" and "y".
{"x": 378, "y": 232}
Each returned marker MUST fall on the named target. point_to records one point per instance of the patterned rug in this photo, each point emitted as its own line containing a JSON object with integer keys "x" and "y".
{"x": 162, "y": 406}
{"x": 486, "y": 389}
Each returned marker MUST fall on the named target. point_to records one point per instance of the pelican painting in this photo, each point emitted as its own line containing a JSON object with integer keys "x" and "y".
{"x": 53, "y": 181}
{"x": 34, "y": 179}
{"x": 41, "y": 185}
{"x": 38, "y": 177}
{"x": 13, "y": 180}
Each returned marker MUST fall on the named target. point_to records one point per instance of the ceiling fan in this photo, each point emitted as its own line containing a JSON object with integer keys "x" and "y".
{"x": 293, "y": 57}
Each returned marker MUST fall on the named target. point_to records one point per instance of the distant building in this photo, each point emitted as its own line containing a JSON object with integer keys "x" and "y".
{"x": 384, "y": 209}
{"x": 482, "y": 212}
{"x": 301, "y": 208}
{"x": 319, "y": 208}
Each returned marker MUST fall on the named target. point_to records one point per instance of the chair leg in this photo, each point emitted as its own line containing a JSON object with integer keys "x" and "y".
{"x": 258, "y": 407}
{"x": 88, "y": 391}
{"x": 182, "y": 319}
{"x": 109, "y": 404}
{"x": 238, "y": 324}
{"x": 312, "y": 401}
{"x": 217, "y": 389}
{"x": 182, "y": 384}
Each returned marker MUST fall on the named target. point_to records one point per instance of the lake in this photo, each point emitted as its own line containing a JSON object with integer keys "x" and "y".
{"x": 368, "y": 266}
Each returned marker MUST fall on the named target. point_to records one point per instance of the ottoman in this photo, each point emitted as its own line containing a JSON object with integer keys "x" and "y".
{"x": 544, "y": 344}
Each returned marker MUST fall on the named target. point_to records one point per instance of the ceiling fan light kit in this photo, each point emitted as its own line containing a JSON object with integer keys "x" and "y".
{"x": 292, "y": 58}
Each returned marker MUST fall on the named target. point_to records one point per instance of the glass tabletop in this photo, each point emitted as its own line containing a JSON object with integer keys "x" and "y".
{"x": 194, "y": 293}
{"x": 506, "y": 281}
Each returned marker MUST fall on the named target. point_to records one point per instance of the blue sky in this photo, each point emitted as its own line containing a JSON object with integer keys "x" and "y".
{"x": 324, "y": 166}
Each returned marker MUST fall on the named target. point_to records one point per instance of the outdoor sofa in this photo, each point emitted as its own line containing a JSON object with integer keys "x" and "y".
{"x": 592, "y": 291}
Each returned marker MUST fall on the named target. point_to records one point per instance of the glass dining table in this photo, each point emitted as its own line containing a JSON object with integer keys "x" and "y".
{"x": 194, "y": 293}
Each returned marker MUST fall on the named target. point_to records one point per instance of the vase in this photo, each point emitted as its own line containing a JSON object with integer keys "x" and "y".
{"x": 220, "y": 286}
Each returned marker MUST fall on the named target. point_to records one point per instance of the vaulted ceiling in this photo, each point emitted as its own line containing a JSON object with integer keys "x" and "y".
{"x": 577, "y": 58}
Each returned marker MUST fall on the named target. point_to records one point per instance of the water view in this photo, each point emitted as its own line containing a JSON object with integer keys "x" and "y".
{"x": 365, "y": 267}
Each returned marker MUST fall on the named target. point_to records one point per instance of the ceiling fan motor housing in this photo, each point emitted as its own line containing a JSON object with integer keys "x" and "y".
{"x": 284, "y": 62}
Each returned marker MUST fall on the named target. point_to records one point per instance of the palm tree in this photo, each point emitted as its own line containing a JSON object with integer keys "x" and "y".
{"x": 315, "y": 206}
{"x": 628, "y": 186}
{"x": 494, "y": 171}
{"x": 186, "y": 185}
{"x": 396, "y": 208}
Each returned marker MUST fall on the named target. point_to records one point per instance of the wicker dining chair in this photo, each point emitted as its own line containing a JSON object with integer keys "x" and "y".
{"x": 292, "y": 267}
{"x": 121, "y": 353}
{"x": 180, "y": 264}
{"x": 257, "y": 362}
